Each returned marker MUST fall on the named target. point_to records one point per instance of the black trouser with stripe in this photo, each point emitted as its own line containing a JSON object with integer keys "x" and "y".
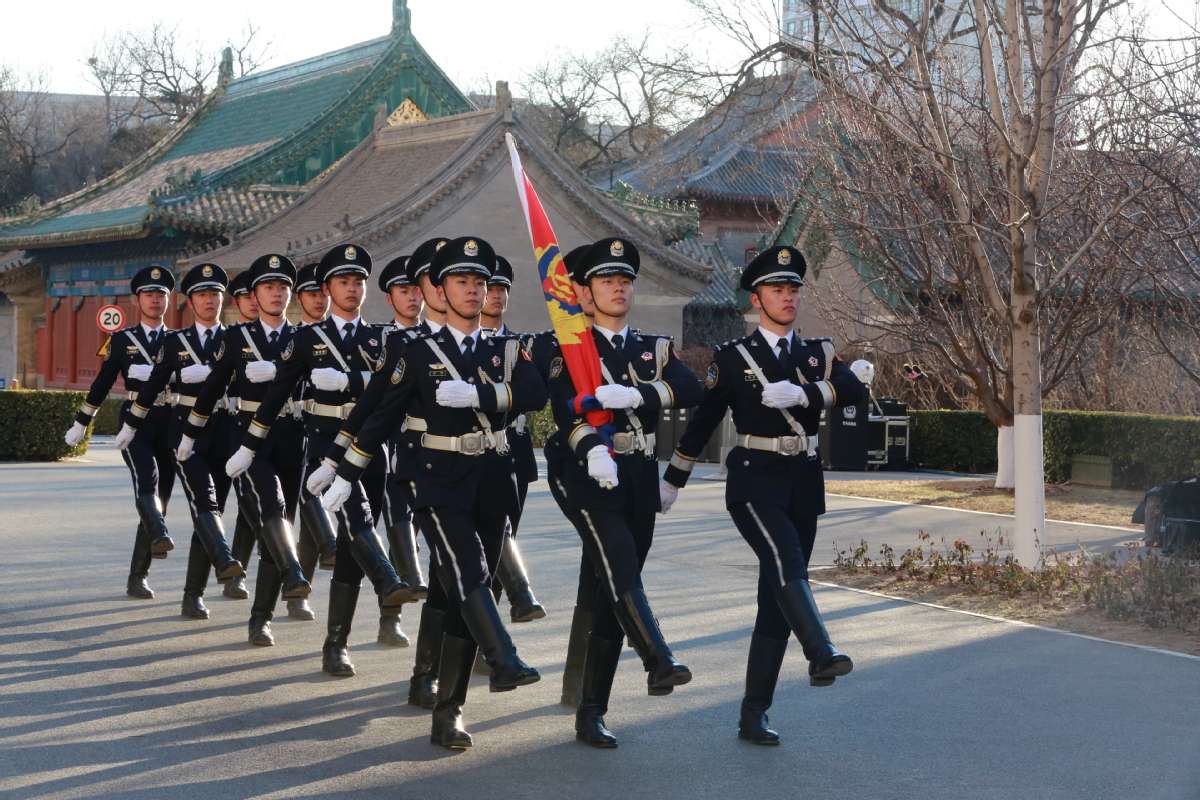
{"x": 617, "y": 544}
{"x": 270, "y": 488}
{"x": 467, "y": 547}
{"x": 783, "y": 543}
{"x": 151, "y": 461}
{"x": 588, "y": 591}
{"x": 358, "y": 513}
{"x": 206, "y": 487}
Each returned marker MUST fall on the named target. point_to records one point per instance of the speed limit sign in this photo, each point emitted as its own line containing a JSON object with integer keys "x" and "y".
{"x": 110, "y": 319}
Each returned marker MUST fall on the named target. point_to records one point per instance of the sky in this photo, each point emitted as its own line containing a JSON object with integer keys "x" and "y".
{"x": 467, "y": 38}
{"x": 470, "y": 39}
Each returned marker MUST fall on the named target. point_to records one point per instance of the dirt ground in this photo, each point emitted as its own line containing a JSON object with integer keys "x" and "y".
{"x": 1068, "y": 614}
{"x": 1092, "y": 504}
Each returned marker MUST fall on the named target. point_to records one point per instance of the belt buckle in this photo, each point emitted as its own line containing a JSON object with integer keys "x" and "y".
{"x": 471, "y": 444}
{"x": 622, "y": 443}
{"x": 789, "y": 445}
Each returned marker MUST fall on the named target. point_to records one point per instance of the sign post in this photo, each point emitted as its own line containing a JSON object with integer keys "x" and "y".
{"x": 110, "y": 319}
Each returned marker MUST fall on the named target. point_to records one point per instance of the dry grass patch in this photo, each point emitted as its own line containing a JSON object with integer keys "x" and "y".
{"x": 1090, "y": 504}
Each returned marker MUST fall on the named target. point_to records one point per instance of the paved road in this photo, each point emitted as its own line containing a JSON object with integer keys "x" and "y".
{"x": 106, "y": 696}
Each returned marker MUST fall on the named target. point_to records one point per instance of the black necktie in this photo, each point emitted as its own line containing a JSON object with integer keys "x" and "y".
{"x": 617, "y": 341}
{"x": 783, "y": 353}
{"x": 152, "y": 340}
{"x": 469, "y": 350}
{"x": 347, "y": 330}
{"x": 207, "y": 345}
{"x": 274, "y": 337}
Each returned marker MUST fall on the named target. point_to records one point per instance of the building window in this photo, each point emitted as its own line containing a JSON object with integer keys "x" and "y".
{"x": 790, "y": 28}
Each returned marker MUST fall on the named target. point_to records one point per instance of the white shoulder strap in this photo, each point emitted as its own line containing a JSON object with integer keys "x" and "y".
{"x": 133, "y": 337}
{"x": 758, "y": 373}
{"x": 250, "y": 341}
{"x": 187, "y": 346}
{"x": 336, "y": 352}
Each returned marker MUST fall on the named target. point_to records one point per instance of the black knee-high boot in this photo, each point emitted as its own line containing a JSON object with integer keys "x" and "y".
{"x": 762, "y": 673}
{"x": 210, "y": 530}
{"x": 139, "y": 567}
{"x": 402, "y": 542}
{"x": 150, "y": 511}
{"x": 458, "y": 656}
{"x": 663, "y": 672}
{"x": 368, "y": 551}
{"x": 335, "y": 655}
{"x": 577, "y": 647}
{"x": 799, "y": 607}
{"x": 599, "y": 669}
{"x": 242, "y": 548}
{"x": 523, "y": 606}
{"x": 422, "y": 688}
{"x": 277, "y": 536}
{"x": 315, "y": 521}
{"x": 266, "y": 593}
{"x": 483, "y": 620}
{"x": 199, "y": 565}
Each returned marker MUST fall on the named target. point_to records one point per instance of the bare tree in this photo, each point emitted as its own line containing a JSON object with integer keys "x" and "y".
{"x": 34, "y": 129}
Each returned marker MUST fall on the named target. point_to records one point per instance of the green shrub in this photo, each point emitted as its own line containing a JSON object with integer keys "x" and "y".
{"x": 33, "y": 423}
{"x": 541, "y": 425}
{"x": 1145, "y": 450}
{"x": 107, "y": 421}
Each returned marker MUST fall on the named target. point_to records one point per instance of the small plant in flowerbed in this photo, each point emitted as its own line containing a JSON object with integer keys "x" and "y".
{"x": 1142, "y": 584}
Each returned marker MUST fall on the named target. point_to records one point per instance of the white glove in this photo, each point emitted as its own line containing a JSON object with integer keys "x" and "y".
{"x": 457, "y": 394}
{"x": 783, "y": 394}
{"x": 75, "y": 434}
{"x": 321, "y": 478}
{"x": 602, "y": 467}
{"x": 140, "y": 372}
{"x": 125, "y": 436}
{"x": 615, "y": 396}
{"x": 667, "y": 494}
{"x": 196, "y": 373}
{"x": 184, "y": 451}
{"x": 328, "y": 379}
{"x": 260, "y": 371}
{"x": 336, "y": 496}
{"x": 239, "y": 462}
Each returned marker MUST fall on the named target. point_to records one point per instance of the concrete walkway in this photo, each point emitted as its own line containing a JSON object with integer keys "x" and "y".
{"x": 106, "y": 696}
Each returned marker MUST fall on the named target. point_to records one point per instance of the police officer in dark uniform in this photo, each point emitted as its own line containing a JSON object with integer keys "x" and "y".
{"x": 243, "y": 533}
{"x": 129, "y": 354}
{"x": 458, "y": 389}
{"x": 181, "y": 366}
{"x": 337, "y": 357}
{"x": 404, "y": 448}
{"x": 776, "y": 385}
{"x": 511, "y": 575}
{"x": 269, "y": 489}
{"x": 617, "y": 496}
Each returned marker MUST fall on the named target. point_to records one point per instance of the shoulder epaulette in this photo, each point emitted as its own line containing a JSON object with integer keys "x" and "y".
{"x": 733, "y": 342}
{"x": 819, "y": 340}
{"x": 637, "y": 332}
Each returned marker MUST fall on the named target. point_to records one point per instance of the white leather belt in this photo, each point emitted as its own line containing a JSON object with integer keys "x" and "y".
{"x": 415, "y": 424}
{"x": 469, "y": 444}
{"x": 323, "y": 410}
{"x": 290, "y": 408}
{"x": 784, "y": 445}
{"x": 631, "y": 443}
{"x": 163, "y": 399}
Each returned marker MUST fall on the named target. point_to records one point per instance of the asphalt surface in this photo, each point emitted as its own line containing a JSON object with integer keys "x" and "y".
{"x": 106, "y": 696}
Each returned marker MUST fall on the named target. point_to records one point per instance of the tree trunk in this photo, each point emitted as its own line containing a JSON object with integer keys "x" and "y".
{"x": 1029, "y": 528}
{"x": 1006, "y": 467}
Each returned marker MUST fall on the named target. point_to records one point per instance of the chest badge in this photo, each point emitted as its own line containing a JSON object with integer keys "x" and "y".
{"x": 813, "y": 362}
{"x": 647, "y": 356}
{"x": 373, "y": 342}
{"x": 495, "y": 361}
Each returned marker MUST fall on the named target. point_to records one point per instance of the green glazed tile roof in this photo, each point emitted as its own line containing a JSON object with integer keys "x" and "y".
{"x": 80, "y": 222}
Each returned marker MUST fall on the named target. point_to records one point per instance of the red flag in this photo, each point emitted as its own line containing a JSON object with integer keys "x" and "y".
{"x": 566, "y": 315}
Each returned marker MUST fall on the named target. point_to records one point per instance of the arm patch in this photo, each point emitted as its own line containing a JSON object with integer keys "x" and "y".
{"x": 713, "y": 373}
{"x": 398, "y": 375}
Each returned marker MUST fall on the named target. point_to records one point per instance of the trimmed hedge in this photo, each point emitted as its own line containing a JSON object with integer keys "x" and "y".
{"x": 1146, "y": 450}
{"x": 33, "y": 423}
{"x": 541, "y": 425}
{"x": 107, "y": 421}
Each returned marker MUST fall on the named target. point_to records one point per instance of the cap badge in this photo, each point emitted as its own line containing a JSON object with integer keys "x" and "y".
{"x": 617, "y": 249}
{"x": 351, "y": 254}
{"x": 274, "y": 262}
{"x": 472, "y": 248}
{"x": 785, "y": 258}
{"x": 439, "y": 246}
{"x": 156, "y": 273}
{"x": 206, "y": 272}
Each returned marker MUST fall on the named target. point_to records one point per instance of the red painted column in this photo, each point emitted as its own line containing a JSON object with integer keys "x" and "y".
{"x": 72, "y": 353}
{"x": 46, "y": 347}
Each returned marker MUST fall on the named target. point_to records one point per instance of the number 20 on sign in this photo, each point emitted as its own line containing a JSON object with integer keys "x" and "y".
{"x": 110, "y": 319}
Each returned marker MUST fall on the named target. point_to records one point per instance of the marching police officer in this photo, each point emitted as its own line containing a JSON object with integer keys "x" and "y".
{"x": 776, "y": 386}
{"x": 458, "y": 389}
{"x": 129, "y": 354}
{"x": 337, "y": 357}
{"x": 617, "y": 495}
{"x": 269, "y": 490}
{"x": 510, "y": 572}
{"x": 404, "y": 448}
{"x": 181, "y": 365}
{"x": 314, "y": 303}
{"x": 243, "y": 534}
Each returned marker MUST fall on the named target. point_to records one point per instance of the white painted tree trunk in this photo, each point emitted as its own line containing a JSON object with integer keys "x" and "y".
{"x": 1006, "y": 466}
{"x": 1029, "y": 531}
